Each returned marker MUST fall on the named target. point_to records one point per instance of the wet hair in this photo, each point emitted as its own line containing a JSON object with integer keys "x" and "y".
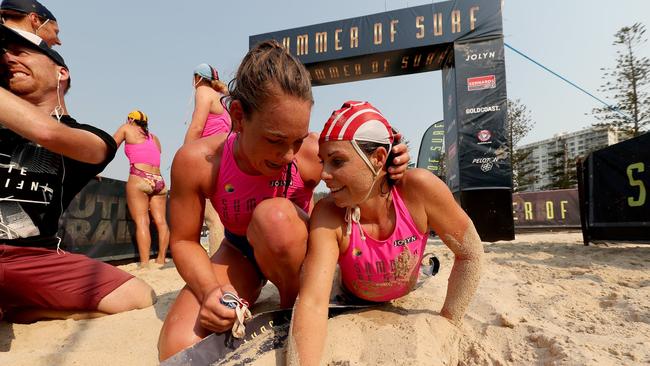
{"x": 370, "y": 147}
{"x": 143, "y": 125}
{"x": 265, "y": 67}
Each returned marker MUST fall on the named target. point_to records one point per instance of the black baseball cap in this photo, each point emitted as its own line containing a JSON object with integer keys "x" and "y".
{"x": 27, "y": 6}
{"x": 10, "y": 36}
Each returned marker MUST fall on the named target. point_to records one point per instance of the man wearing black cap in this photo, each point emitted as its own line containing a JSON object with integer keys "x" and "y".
{"x": 30, "y": 17}
{"x": 46, "y": 158}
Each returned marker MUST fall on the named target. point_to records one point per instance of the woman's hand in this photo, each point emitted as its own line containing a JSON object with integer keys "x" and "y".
{"x": 214, "y": 315}
{"x": 401, "y": 160}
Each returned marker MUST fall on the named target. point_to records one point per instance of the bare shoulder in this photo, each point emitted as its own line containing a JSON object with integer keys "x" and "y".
{"x": 308, "y": 160}
{"x": 198, "y": 162}
{"x": 418, "y": 182}
{"x": 327, "y": 214}
{"x": 309, "y": 146}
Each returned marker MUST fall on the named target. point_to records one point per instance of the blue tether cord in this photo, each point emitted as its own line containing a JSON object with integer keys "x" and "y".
{"x": 569, "y": 82}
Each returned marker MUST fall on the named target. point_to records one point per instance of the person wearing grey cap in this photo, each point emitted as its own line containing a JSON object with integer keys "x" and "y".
{"x": 46, "y": 158}
{"x": 29, "y": 17}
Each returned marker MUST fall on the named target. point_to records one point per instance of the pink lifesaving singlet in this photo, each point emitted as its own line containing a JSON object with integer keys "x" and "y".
{"x": 382, "y": 270}
{"x": 217, "y": 123}
{"x": 146, "y": 152}
{"x": 237, "y": 193}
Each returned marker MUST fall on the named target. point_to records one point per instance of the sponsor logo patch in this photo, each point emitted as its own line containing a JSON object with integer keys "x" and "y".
{"x": 484, "y": 136}
{"x": 481, "y": 82}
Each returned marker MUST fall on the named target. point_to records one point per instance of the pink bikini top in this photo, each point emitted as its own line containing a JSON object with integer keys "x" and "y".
{"x": 382, "y": 270}
{"x": 146, "y": 152}
{"x": 237, "y": 193}
{"x": 217, "y": 123}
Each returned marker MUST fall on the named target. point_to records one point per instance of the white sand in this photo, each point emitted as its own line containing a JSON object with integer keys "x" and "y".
{"x": 543, "y": 299}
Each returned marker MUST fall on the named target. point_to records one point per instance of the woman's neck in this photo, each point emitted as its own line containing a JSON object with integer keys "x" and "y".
{"x": 377, "y": 204}
{"x": 243, "y": 163}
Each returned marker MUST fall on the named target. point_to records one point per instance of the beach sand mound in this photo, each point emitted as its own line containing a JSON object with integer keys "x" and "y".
{"x": 543, "y": 299}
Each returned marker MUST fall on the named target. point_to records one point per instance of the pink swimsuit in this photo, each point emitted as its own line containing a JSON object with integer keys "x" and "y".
{"x": 217, "y": 123}
{"x": 382, "y": 270}
{"x": 237, "y": 193}
{"x": 146, "y": 152}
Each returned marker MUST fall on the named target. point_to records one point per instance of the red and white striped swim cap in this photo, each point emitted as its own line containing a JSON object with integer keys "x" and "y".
{"x": 357, "y": 121}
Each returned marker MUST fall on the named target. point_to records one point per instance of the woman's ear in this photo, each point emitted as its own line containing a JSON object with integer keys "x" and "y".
{"x": 379, "y": 158}
{"x": 236, "y": 115}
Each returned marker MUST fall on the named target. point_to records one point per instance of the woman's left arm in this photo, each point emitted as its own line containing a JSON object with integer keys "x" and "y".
{"x": 202, "y": 102}
{"x": 157, "y": 141}
{"x": 457, "y": 231}
{"x": 308, "y": 333}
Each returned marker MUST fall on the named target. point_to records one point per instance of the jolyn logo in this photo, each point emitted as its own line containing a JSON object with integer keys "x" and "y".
{"x": 479, "y": 56}
{"x": 401, "y": 242}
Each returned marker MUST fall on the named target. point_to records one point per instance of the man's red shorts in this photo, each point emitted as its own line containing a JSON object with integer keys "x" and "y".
{"x": 38, "y": 278}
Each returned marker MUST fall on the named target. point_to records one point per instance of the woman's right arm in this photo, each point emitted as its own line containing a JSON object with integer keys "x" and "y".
{"x": 202, "y": 103}
{"x": 309, "y": 325}
{"x": 120, "y": 135}
{"x": 186, "y": 205}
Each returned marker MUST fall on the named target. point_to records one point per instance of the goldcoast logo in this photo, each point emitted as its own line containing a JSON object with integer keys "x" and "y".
{"x": 356, "y": 252}
{"x": 229, "y": 188}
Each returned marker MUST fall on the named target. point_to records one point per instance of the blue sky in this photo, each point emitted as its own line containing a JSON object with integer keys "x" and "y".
{"x": 140, "y": 54}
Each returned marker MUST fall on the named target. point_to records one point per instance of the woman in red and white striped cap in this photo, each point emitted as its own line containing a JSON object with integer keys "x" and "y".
{"x": 375, "y": 228}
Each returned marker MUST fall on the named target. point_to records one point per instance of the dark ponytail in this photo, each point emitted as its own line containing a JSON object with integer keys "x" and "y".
{"x": 143, "y": 125}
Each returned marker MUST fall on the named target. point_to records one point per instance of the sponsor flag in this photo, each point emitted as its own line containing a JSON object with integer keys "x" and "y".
{"x": 430, "y": 154}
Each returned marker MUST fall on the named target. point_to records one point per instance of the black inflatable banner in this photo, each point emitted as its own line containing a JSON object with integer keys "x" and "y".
{"x": 614, "y": 192}
{"x": 464, "y": 39}
{"x": 546, "y": 209}
{"x": 97, "y": 222}
{"x": 430, "y": 154}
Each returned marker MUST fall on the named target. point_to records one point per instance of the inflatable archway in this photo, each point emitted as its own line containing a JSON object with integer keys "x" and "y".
{"x": 462, "y": 38}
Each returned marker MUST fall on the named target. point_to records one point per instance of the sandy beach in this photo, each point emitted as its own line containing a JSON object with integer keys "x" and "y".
{"x": 543, "y": 299}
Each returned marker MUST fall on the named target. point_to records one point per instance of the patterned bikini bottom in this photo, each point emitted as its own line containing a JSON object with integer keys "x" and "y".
{"x": 155, "y": 181}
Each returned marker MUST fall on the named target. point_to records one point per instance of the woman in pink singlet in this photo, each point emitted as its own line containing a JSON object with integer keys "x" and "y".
{"x": 210, "y": 117}
{"x": 145, "y": 190}
{"x": 376, "y": 229}
{"x": 260, "y": 179}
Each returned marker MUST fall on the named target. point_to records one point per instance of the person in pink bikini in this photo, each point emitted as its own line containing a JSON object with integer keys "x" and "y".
{"x": 210, "y": 117}
{"x": 260, "y": 179}
{"x": 145, "y": 190}
{"x": 376, "y": 229}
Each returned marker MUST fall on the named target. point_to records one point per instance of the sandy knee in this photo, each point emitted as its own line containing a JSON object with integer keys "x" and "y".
{"x": 277, "y": 219}
{"x": 132, "y": 294}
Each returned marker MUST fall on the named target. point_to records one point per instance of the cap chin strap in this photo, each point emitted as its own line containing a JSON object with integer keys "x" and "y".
{"x": 353, "y": 214}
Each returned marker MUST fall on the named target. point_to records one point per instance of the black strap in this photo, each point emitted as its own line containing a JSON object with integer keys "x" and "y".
{"x": 287, "y": 182}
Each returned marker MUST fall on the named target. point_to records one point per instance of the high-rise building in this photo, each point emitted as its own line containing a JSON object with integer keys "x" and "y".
{"x": 568, "y": 145}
